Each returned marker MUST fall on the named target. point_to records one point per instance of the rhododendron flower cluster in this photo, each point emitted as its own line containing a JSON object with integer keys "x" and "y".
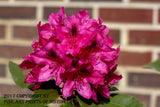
{"x": 77, "y": 52}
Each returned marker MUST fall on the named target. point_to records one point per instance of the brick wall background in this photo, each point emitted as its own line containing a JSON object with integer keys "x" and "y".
{"x": 134, "y": 25}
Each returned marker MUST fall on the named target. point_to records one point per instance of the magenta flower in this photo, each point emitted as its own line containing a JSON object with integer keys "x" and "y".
{"x": 76, "y": 51}
{"x": 109, "y": 80}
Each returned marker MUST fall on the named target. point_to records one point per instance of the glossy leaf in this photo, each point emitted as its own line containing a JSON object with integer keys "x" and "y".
{"x": 118, "y": 100}
{"x": 17, "y": 75}
{"x": 112, "y": 88}
{"x": 109, "y": 105}
{"x": 67, "y": 104}
{"x": 101, "y": 104}
{"x": 126, "y": 101}
{"x": 83, "y": 104}
{"x": 41, "y": 98}
{"x": 6, "y": 102}
{"x": 155, "y": 65}
{"x": 45, "y": 96}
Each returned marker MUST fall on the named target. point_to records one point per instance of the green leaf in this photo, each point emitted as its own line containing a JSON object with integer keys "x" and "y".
{"x": 41, "y": 98}
{"x": 83, "y": 104}
{"x": 45, "y": 96}
{"x": 17, "y": 75}
{"x": 118, "y": 100}
{"x": 6, "y": 102}
{"x": 112, "y": 88}
{"x": 101, "y": 104}
{"x": 109, "y": 105}
{"x": 125, "y": 101}
{"x": 32, "y": 103}
{"x": 155, "y": 65}
{"x": 67, "y": 104}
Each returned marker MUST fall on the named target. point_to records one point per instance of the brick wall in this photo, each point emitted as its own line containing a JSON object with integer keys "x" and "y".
{"x": 134, "y": 25}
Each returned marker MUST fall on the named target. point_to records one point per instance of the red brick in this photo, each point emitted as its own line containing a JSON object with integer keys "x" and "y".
{"x": 2, "y": 31}
{"x": 68, "y": 11}
{"x": 144, "y": 37}
{"x": 158, "y": 101}
{"x": 146, "y": 0}
{"x": 145, "y": 99}
{"x": 159, "y": 15}
{"x": 2, "y": 70}
{"x": 144, "y": 80}
{"x": 126, "y": 15}
{"x": 17, "y": 12}
{"x": 134, "y": 58}
{"x": 13, "y": 89}
{"x": 25, "y": 32}
{"x": 97, "y": 0}
{"x": 115, "y": 34}
{"x": 38, "y": 0}
{"x": 14, "y": 51}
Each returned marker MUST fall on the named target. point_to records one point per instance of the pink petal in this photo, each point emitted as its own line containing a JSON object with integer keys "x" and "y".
{"x": 36, "y": 86}
{"x": 36, "y": 45}
{"x": 100, "y": 20}
{"x": 118, "y": 49}
{"x": 115, "y": 78}
{"x": 73, "y": 20}
{"x": 51, "y": 45}
{"x": 40, "y": 60}
{"x": 30, "y": 79}
{"x": 96, "y": 74}
{"x": 101, "y": 67}
{"x": 42, "y": 41}
{"x": 95, "y": 80}
{"x": 90, "y": 25}
{"x": 59, "y": 79}
{"x": 39, "y": 27}
{"x": 113, "y": 68}
{"x": 52, "y": 49}
{"x": 99, "y": 38}
{"x": 45, "y": 31}
{"x": 94, "y": 93}
{"x": 109, "y": 41}
{"x": 27, "y": 63}
{"x": 68, "y": 88}
{"x": 83, "y": 14}
{"x": 67, "y": 61}
{"x": 39, "y": 53}
{"x": 104, "y": 91}
{"x": 108, "y": 56}
{"x": 84, "y": 89}
{"x": 61, "y": 32}
{"x": 58, "y": 19}
{"x": 45, "y": 74}
{"x": 105, "y": 32}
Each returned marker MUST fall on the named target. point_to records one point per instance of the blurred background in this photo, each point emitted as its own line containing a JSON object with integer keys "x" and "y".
{"x": 133, "y": 24}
